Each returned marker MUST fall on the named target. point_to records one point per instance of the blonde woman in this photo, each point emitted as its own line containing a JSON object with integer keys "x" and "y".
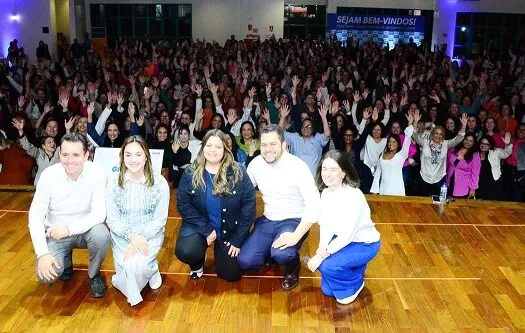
{"x": 137, "y": 209}
{"x": 216, "y": 200}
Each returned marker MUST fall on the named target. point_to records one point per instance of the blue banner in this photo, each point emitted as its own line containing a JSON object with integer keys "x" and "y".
{"x": 376, "y": 22}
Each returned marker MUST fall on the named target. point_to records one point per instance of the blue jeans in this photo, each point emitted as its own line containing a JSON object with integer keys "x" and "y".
{"x": 258, "y": 245}
{"x": 343, "y": 272}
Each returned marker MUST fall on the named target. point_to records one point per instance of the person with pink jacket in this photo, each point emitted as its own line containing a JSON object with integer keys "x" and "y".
{"x": 463, "y": 168}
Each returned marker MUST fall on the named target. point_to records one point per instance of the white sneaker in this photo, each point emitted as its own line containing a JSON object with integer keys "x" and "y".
{"x": 195, "y": 275}
{"x": 350, "y": 299}
{"x": 155, "y": 281}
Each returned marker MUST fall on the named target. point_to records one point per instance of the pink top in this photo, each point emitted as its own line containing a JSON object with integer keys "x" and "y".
{"x": 466, "y": 174}
{"x": 412, "y": 151}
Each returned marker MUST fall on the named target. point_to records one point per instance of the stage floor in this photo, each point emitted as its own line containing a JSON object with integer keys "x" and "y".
{"x": 461, "y": 269}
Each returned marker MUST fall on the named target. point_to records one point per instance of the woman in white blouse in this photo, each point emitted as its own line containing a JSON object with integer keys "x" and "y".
{"x": 137, "y": 208}
{"x": 388, "y": 178}
{"x": 490, "y": 180}
{"x": 347, "y": 241}
{"x": 434, "y": 150}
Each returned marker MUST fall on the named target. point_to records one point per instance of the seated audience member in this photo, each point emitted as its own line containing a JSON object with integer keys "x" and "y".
{"x": 185, "y": 151}
{"x": 161, "y": 141}
{"x": 46, "y": 155}
{"x": 216, "y": 200}
{"x": 68, "y": 211}
{"x": 347, "y": 242}
{"x": 463, "y": 167}
{"x": 490, "y": 180}
{"x": 137, "y": 204}
{"x": 247, "y": 142}
{"x": 291, "y": 206}
{"x": 307, "y": 145}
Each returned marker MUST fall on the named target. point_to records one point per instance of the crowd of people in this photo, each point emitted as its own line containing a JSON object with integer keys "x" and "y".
{"x": 357, "y": 97}
{"x": 292, "y": 118}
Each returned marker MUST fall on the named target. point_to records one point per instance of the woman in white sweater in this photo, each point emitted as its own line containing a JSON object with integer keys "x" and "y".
{"x": 490, "y": 181}
{"x": 434, "y": 150}
{"x": 347, "y": 241}
{"x": 388, "y": 178}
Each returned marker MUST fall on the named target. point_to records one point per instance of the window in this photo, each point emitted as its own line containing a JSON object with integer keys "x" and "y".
{"x": 139, "y": 20}
{"x": 475, "y": 30}
{"x": 302, "y": 20}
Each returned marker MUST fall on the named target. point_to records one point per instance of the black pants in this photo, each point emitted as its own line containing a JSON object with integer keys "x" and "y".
{"x": 191, "y": 250}
{"x": 427, "y": 189}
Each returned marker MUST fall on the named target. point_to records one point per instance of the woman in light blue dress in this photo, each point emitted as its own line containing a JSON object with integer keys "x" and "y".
{"x": 137, "y": 208}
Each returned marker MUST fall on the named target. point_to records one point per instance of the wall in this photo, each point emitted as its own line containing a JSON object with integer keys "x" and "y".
{"x": 219, "y": 19}
{"x": 405, "y": 4}
{"x": 62, "y": 17}
{"x": 445, "y": 17}
{"x": 33, "y": 14}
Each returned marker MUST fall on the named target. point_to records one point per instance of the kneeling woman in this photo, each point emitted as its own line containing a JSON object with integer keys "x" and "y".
{"x": 137, "y": 208}
{"x": 347, "y": 241}
{"x": 216, "y": 200}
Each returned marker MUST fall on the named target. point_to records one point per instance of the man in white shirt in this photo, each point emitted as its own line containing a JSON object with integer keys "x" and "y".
{"x": 291, "y": 206}
{"x": 68, "y": 211}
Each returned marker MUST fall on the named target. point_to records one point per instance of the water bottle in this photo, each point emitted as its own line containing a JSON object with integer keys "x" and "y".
{"x": 443, "y": 193}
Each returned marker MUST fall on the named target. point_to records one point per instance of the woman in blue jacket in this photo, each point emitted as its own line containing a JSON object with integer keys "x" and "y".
{"x": 216, "y": 200}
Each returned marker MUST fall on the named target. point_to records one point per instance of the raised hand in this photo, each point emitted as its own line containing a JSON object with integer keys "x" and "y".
{"x": 404, "y": 100}
{"x": 285, "y": 111}
{"x": 120, "y": 99}
{"x": 323, "y": 111}
{"x": 268, "y": 89}
{"x": 140, "y": 121}
{"x": 410, "y": 118}
{"x": 367, "y": 112}
{"x": 91, "y": 108}
{"x": 232, "y": 116}
{"x": 213, "y": 88}
{"x": 507, "y": 138}
{"x": 176, "y": 145}
{"x": 21, "y": 101}
{"x": 416, "y": 116}
{"x": 295, "y": 82}
{"x": 365, "y": 93}
{"x": 346, "y": 105}
{"x": 19, "y": 125}
{"x": 69, "y": 124}
{"x": 387, "y": 99}
{"x": 357, "y": 96}
{"x": 335, "y": 107}
{"x": 463, "y": 120}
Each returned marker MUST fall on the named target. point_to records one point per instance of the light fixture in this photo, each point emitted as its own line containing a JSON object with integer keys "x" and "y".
{"x": 463, "y": 29}
{"x": 14, "y": 18}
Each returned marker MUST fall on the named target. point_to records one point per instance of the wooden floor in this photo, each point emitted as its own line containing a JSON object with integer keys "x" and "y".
{"x": 461, "y": 269}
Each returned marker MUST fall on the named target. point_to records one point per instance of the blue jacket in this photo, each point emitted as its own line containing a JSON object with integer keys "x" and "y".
{"x": 238, "y": 209}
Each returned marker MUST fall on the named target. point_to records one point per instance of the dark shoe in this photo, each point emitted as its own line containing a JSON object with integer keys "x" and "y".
{"x": 67, "y": 274}
{"x": 98, "y": 286}
{"x": 195, "y": 275}
{"x": 290, "y": 281}
{"x": 267, "y": 265}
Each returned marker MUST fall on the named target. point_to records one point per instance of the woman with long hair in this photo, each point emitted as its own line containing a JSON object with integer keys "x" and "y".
{"x": 137, "y": 204}
{"x": 388, "y": 178}
{"x": 347, "y": 241}
{"x": 463, "y": 165}
{"x": 216, "y": 200}
{"x": 490, "y": 180}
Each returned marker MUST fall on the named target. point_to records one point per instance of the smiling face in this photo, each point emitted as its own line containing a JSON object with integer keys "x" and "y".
{"x": 49, "y": 145}
{"x": 162, "y": 134}
{"x": 468, "y": 142}
{"x": 213, "y": 150}
{"x": 438, "y": 135}
{"x": 247, "y": 131}
{"x": 113, "y": 132}
{"x": 307, "y": 129}
{"x": 392, "y": 145}
{"x": 52, "y": 128}
{"x": 134, "y": 158}
{"x": 331, "y": 173}
{"x": 72, "y": 158}
{"x": 271, "y": 147}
